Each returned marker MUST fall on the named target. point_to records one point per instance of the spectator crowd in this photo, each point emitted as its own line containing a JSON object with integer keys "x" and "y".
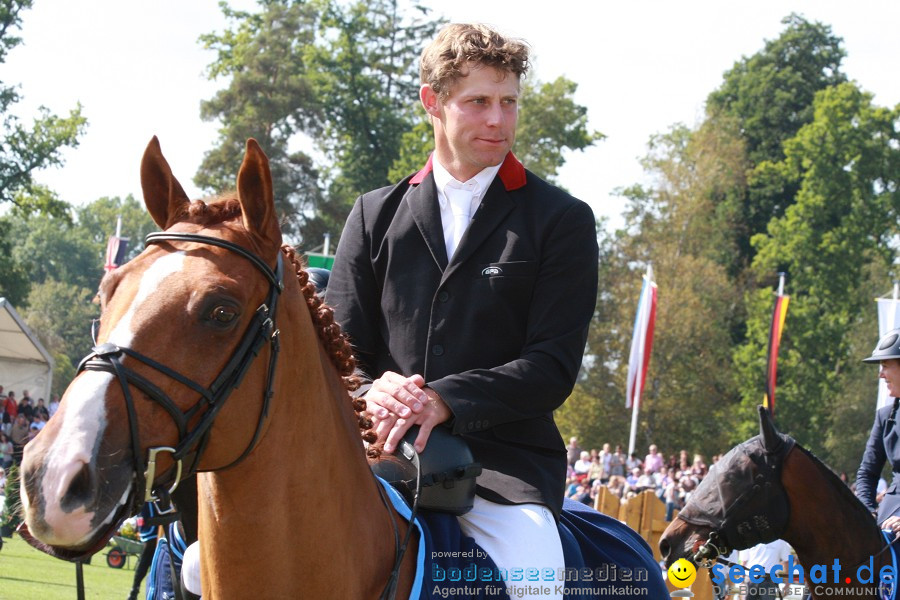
{"x": 672, "y": 479}
{"x": 21, "y": 418}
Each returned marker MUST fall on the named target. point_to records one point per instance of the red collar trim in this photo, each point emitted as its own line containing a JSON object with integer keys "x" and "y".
{"x": 511, "y": 173}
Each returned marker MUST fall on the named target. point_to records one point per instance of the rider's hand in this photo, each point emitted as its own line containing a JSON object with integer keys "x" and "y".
{"x": 396, "y": 403}
{"x": 892, "y": 524}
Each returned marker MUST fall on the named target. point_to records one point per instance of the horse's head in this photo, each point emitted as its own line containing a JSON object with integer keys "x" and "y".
{"x": 180, "y": 325}
{"x": 739, "y": 504}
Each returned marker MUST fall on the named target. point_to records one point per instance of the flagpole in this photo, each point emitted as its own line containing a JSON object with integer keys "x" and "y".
{"x": 635, "y": 405}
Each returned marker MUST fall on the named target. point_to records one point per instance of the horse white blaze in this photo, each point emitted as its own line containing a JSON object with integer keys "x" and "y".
{"x": 85, "y": 422}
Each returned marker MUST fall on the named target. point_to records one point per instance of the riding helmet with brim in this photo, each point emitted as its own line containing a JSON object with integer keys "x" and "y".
{"x": 888, "y": 347}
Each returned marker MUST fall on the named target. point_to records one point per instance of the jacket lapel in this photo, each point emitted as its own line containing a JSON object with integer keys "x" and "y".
{"x": 423, "y": 205}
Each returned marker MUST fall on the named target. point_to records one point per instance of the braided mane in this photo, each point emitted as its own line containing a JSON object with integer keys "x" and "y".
{"x": 226, "y": 207}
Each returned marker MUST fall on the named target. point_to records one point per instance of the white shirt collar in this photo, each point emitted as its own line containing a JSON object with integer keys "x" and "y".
{"x": 478, "y": 184}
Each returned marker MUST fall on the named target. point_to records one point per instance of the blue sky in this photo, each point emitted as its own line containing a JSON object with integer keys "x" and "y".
{"x": 641, "y": 66}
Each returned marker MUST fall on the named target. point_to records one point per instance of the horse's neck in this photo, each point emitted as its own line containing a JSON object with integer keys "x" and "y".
{"x": 826, "y": 524}
{"x": 303, "y": 511}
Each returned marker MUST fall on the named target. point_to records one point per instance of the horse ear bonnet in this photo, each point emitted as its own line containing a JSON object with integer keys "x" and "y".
{"x": 742, "y": 496}
{"x": 888, "y": 347}
{"x": 447, "y": 466}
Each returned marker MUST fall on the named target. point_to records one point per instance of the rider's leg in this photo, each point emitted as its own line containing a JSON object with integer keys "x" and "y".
{"x": 518, "y": 536}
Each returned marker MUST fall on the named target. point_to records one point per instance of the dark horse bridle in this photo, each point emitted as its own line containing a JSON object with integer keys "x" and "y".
{"x": 192, "y": 442}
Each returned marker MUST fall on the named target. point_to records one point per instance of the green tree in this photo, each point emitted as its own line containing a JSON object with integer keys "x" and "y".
{"x": 61, "y": 315}
{"x": 96, "y": 222}
{"x": 840, "y": 232}
{"x": 23, "y": 149}
{"x": 366, "y": 65}
{"x": 269, "y": 97}
{"x": 14, "y": 281}
{"x": 672, "y": 226}
{"x": 770, "y": 94}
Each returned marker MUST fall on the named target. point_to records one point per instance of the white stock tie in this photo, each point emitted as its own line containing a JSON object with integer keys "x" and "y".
{"x": 460, "y": 205}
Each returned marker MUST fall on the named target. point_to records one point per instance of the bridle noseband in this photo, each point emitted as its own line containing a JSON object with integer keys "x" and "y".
{"x": 192, "y": 442}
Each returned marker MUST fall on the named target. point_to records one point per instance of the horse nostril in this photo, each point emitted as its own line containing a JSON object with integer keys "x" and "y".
{"x": 81, "y": 490}
{"x": 664, "y": 548}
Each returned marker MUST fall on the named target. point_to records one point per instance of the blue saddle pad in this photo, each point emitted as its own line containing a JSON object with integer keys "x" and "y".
{"x": 605, "y": 560}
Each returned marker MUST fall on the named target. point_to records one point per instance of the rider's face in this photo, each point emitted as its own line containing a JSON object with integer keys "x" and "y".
{"x": 890, "y": 372}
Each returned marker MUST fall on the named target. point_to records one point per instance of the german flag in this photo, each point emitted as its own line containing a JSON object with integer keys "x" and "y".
{"x": 778, "y": 315}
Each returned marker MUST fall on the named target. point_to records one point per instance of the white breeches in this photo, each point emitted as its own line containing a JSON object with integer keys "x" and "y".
{"x": 518, "y": 537}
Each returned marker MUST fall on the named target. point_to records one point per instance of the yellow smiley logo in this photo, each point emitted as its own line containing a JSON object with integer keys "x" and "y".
{"x": 682, "y": 573}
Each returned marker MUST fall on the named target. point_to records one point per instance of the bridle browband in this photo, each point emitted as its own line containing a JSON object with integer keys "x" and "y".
{"x": 192, "y": 442}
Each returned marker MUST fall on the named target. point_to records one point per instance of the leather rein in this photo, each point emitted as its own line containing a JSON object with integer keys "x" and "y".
{"x": 186, "y": 454}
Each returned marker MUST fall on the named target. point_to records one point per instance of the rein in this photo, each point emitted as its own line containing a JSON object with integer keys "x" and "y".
{"x": 186, "y": 454}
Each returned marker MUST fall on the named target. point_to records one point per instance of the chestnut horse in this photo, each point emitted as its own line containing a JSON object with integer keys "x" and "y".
{"x": 772, "y": 488}
{"x": 288, "y": 506}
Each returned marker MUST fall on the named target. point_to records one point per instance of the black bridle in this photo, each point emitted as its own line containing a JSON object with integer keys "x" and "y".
{"x": 192, "y": 442}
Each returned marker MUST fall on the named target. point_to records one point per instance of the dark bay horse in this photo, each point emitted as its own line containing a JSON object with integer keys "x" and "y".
{"x": 769, "y": 488}
{"x": 187, "y": 377}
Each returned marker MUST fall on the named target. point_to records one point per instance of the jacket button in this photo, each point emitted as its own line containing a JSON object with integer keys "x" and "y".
{"x": 443, "y": 295}
{"x": 437, "y": 350}
{"x": 477, "y": 424}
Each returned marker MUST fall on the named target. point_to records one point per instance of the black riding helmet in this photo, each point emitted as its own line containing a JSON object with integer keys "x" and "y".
{"x": 888, "y": 347}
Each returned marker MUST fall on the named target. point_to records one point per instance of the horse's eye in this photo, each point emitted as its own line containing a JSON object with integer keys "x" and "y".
{"x": 223, "y": 314}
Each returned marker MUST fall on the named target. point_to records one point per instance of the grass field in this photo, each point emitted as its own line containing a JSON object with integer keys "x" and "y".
{"x": 26, "y": 574}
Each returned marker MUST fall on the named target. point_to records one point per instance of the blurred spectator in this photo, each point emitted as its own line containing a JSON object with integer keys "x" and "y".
{"x": 12, "y": 406}
{"x": 654, "y": 461}
{"x": 633, "y": 462}
{"x": 54, "y": 404}
{"x": 573, "y": 451}
{"x": 616, "y": 485}
{"x": 617, "y": 463}
{"x": 19, "y": 437}
{"x": 583, "y": 464}
{"x": 6, "y": 451}
{"x": 41, "y": 410}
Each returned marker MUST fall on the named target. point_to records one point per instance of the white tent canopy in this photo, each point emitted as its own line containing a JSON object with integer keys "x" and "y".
{"x": 24, "y": 363}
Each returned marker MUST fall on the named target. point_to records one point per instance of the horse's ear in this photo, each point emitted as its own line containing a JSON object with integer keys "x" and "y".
{"x": 770, "y": 436}
{"x": 163, "y": 195}
{"x": 254, "y": 185}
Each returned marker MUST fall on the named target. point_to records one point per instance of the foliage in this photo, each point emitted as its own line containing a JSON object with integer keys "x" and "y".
{"x": 550, "y": 122}
{"x": 670, "y": 226}
{"x": 62, "y": 263}
{"x": 841, "y": 229}
{"x": 270, "y": 98}
{"x": 770, "y": 95}
{"x": 12, "y": 515}
{"x": 61, "y": 315}
{"x": 24, "y": 149}
{"x": 13, "y": 275}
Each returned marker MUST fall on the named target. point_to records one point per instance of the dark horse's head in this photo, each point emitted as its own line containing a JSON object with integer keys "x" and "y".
{"x": 739, "y": 504}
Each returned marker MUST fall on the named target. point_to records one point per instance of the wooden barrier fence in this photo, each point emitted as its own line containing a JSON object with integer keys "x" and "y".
{"x": 646, "y": 514}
